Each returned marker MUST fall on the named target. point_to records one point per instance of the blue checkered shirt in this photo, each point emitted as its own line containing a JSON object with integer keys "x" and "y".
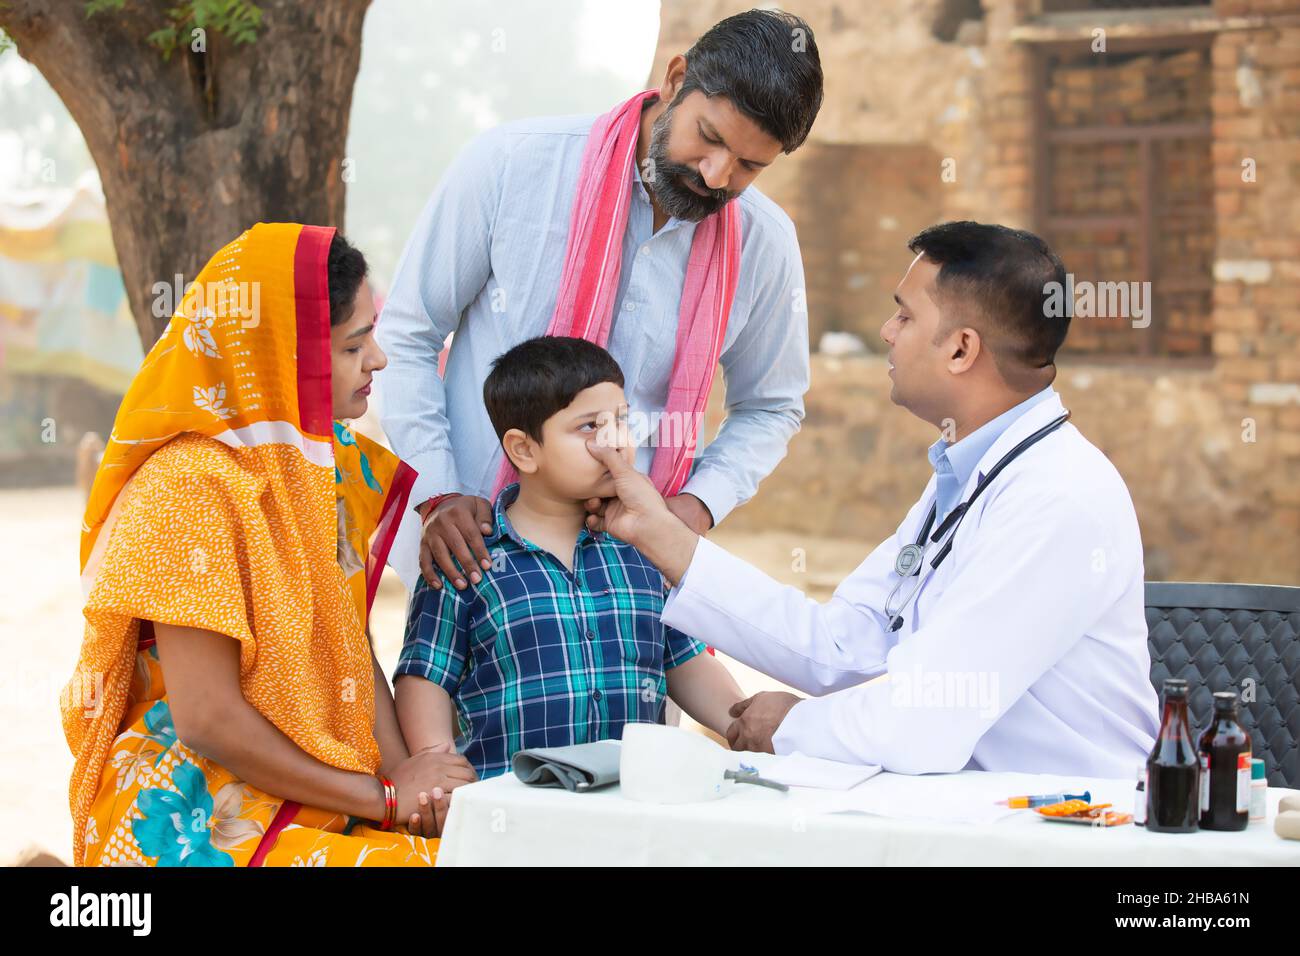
{"x": 538, "y": 656}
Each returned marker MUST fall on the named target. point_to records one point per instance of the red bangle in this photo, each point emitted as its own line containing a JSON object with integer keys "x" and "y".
{"x": 390, "y": 803}
{"x": 433, "y": 502}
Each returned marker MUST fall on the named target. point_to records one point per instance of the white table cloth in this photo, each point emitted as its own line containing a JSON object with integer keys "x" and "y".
{"x": 502, "y": 822}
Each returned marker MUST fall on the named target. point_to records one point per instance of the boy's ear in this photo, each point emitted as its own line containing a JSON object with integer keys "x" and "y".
{"x": 521, "y": 450}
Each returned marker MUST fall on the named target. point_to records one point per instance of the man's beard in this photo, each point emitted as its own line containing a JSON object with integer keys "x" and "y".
{"x": 665, "y": 179}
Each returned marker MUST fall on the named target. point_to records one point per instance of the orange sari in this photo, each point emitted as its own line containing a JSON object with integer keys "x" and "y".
{"x": 229, "y": 500}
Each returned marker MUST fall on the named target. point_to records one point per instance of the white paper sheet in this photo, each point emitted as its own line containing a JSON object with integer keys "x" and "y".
{"x": 798, "y": 770}
{"x": 968, "y": 797}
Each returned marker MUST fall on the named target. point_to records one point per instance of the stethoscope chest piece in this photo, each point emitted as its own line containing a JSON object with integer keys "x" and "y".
{"x": 911, "y": 556}
{"x": 908, "y": 561}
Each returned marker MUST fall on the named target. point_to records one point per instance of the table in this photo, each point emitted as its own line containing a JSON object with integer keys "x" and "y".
{"x": 502, "y": 822}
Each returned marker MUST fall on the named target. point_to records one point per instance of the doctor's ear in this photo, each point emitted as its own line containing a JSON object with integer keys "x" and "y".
{"x": 521, "y": 450}
{"x": 965, "y": 346}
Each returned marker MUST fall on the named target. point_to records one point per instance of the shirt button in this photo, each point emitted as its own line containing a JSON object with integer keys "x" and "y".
{"x": 629, "y": 306}
{"x": 645, "y": 250}
{"x": 591, "y": 636}
{"x": 596, "y": 695}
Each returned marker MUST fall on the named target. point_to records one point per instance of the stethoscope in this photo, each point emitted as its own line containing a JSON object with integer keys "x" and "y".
{"x": 912, "y": 556}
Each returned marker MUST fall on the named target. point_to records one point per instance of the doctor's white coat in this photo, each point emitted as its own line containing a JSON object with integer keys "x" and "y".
{"x": 1026, "y": 649}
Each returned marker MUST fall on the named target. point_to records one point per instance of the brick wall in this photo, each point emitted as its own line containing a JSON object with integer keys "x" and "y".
{"x": 855, "y": 206}
{"x": 1256, "y": 150}
{"x": 859, "y": 463}
{"x": 1211, "y": 451}
{"x": 1123, "y": 164}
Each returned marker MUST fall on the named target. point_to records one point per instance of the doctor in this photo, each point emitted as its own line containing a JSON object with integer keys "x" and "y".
{"x": 1004, "y": 618}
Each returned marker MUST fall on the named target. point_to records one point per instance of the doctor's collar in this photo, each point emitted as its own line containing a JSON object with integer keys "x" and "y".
{"x": 964, "y": 456}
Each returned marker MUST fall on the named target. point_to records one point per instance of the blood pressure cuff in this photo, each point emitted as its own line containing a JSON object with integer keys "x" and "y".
{"x": 576, "y": 768}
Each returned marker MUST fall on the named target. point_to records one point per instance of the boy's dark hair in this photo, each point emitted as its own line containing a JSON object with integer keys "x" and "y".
{"x": 766, "y": 63}
{"x": 1002, "y": 274}
{"x": 345, "y": 268}
{"x": 539, "y": 377}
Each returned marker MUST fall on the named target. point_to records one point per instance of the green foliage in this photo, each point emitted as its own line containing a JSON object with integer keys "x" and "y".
{"x": 100, "y": 6}
{"x": 237, "y": 19}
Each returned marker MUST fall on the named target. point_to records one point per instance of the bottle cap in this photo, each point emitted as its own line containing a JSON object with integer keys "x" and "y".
{"x": 1225, "y": 701}
{"x": 1175, "y": 687}
{"x": 1256, "y": 769}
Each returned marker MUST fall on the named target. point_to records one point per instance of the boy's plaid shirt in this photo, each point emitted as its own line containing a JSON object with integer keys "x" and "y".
{"x": 536, "y": 656}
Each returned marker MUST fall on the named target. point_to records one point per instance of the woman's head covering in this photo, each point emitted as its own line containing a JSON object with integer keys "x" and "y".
{"x": 229, "y": 500}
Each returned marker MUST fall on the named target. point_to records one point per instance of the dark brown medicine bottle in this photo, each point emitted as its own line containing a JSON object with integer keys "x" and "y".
{"x": 1173, "y": 804}
{"x": 1225, "y": 775}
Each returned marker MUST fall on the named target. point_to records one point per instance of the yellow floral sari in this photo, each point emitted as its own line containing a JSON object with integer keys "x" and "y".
{"x": 228, "y": 499}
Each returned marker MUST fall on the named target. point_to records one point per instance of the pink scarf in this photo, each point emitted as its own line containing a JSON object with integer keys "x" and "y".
{"x": 584, "y": 305}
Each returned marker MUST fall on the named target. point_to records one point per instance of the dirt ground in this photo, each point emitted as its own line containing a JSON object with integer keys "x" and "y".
{"x": 41, "y": 627}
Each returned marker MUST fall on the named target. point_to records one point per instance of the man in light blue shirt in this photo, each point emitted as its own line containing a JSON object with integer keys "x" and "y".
{"x": 485, "y": 262}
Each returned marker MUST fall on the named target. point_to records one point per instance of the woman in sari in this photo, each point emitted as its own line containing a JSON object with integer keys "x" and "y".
{"x": 227, "y": 707}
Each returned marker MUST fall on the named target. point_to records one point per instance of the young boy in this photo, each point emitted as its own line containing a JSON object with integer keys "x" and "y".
{"x": 561, "y": 641}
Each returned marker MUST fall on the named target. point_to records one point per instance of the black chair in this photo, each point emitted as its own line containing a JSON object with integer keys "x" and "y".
{"x": 1239, "y": 637}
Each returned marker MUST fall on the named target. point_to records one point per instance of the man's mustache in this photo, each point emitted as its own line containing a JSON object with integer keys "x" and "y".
{"x": 696, "y": 180}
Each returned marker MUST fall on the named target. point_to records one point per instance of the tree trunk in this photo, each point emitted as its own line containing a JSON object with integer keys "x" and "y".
{"x": 193, "y": 151}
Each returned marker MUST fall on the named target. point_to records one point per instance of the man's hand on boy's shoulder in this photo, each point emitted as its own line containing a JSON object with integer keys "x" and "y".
{"x": 691, "y": 511}
{"x": 452, "y": 541}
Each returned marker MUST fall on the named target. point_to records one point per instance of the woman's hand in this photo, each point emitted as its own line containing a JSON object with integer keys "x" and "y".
{"x": 424, "y": 784}
{"x": 432, "y": 815}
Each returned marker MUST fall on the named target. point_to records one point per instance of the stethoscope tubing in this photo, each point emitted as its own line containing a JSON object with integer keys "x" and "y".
{"x": 910, "y": 560}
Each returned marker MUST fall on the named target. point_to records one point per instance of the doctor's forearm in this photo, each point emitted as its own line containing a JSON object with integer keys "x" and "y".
{"x": 669, "y": 545}
{"x": 745, "y": 613}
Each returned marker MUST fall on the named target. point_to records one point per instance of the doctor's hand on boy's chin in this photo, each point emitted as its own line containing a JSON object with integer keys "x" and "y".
{"x": 636, "y": 506}
{"x": 689, "y": 510}
{"x": 757, "y": 719}
{"x": 639, "y": 515}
